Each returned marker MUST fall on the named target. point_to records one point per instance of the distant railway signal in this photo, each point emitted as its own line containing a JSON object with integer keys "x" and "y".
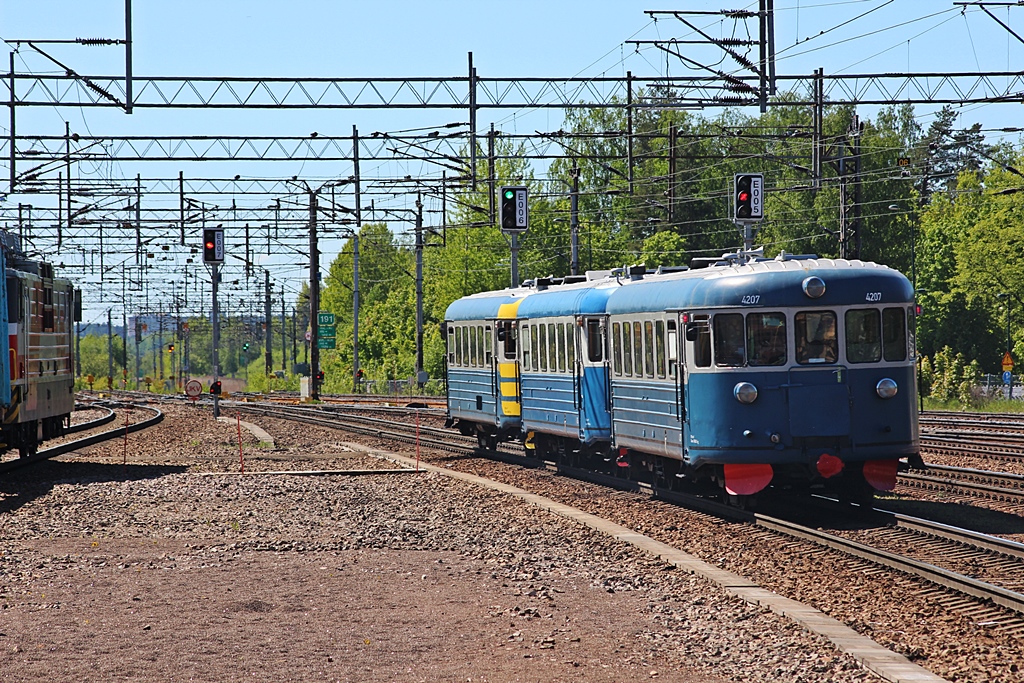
{"x": 213, "y": 245}
{"x": 514, "y": 210}
{"x": 749, "y": 197}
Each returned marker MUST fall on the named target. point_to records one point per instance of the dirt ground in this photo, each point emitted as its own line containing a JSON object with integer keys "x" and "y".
{"x": 170, "y": 568}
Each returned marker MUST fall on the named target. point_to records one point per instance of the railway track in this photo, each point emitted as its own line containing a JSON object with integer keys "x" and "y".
{"x": 929, "y": 552}
{"x": 90, "y": 440}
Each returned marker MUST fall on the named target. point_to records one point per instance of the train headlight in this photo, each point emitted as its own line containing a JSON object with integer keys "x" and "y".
{"x": 745, "y": 392}
{"x": 886, "y": 388}
{"x": 813, "y": 286}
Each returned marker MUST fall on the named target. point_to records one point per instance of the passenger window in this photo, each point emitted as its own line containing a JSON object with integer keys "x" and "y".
{"x": 649, "y": 348}
{"x": 595, "y": 347}
{"x": 894, "y": 334}
{"x": 659, "y": 340}
{"x": 458, "y": 345}
{"x": 627, "y": 351}
{"x": 537, "y": 332}
{"x": 526, "y": 346}
{"x": 766, "y": 339}
{"x": 552, "y": 348}
{"x": 702, "y": 345}
{"x": 616, "y": 349}
{"x": 560, "y": 335}
{"x": 729, "y": 349}
{"x": 452, "y": 345}
{"x": 816, "y": 340}
{"x": 570, "y": 348}
{"x": 863, "y": 336}
{"x": 673, "y": 348}
{"x": 543, "y": 353}
{"x": 638, "y": 349}
{"x": 473, "y": 346}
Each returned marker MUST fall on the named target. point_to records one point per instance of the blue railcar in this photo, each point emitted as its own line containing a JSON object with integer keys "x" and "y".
{"x": 792, "y": 372}
{"x": 563, "y": 367}
{"x": 482, "y": 367}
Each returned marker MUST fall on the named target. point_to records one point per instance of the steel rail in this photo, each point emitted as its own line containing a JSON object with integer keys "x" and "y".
{"x": 90, "y": 440}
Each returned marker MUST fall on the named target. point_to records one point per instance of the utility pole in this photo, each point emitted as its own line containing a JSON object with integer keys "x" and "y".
{"x": 314, "y": 300}
{"x": 110, "y": 350}
{"x": 269, "y": 323}
{"x": 420, "y": 374}
{"x": 355, "y": 261}
{"x": 574, "y": 220}
{"x": 284, "y": 335}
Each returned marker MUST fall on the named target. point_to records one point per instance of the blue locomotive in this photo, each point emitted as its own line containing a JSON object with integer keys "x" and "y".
{"x": 37, "y": 369}
{"x": 797, "y": 372}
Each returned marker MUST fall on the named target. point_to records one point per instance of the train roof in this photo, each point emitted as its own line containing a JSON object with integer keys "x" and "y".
{"x": 484, "y": 305}
{"x": 765, "y": 283}
{"x": 577, "y": 298}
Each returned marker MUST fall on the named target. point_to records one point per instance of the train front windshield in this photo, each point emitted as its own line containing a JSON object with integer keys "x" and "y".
{"x": 762, "y": 339}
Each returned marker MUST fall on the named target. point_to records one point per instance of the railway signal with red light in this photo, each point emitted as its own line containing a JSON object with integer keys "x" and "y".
{"x": 213, "y": 245}
{"x": 749, "y": 197}
{"x": 215, "y": 388}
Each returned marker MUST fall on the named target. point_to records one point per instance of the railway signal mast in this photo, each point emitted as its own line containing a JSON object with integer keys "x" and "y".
{"x": 748, "y": 205}
{"x": 514, "y": 219}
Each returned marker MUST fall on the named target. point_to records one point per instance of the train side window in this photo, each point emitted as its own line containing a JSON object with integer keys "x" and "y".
{"x": 473, "y": 344}
{"x": 616, "y": 349}
{"x": 702, "y": 344}
{"x": 524, "y": 331}
{"x": 570, "y": 348}
{"x": 13, "y": 299}
{"x": 659, "y": 341}
{"x": 911, "y": 332}
{"x": 595, "y": 347}
{"x": 552, "y": 348}
{"x": 488, "y": 345}
{"x": 458, "y": 345}
{"x": 543, "y": 354}
{"x": 560, "y": 335}
{"x": 649, "y": 348}
{"x": 863, "y": 336}
{"x": 638, "y": 349}
{"x": 537, "y": 333}
{"x": 816, "y": 340}
{"x": 729, "y": 348}
{"x": 894, "y": 334}
{"x": 627, "y": 351}
{"x": 766, "y": 339}
{"x": 673, "y": 348}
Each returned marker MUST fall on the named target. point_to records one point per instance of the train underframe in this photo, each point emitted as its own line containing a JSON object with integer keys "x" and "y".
{"x": 736, "y": 484}
{"x": 27, "y": 436}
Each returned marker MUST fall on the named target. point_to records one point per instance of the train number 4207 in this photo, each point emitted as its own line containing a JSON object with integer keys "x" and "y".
{"x": 873, "y": 297}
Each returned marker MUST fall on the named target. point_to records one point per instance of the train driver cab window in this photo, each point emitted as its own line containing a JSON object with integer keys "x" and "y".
{"x": 729, "y": 348}
{"x": 894, "y": 334}
{"x": 570, "y": 348}
{"x": 488, "y": 345}
{"x": 458, "y": 345}
{"x": 863, "y": 336}
{"x": 649, "y": 348}
{"x": 537, "y": 332}
{"x": 659, "y": 351}
{"x": 595, "y": 347}
{"x": 13, "y": 299}
{"x": 766, "y": 339}
{"x": 816, "y": 339}
{"x": 700, "y": 327}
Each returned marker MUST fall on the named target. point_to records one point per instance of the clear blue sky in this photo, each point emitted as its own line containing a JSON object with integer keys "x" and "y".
{"x": 387, "y": 38}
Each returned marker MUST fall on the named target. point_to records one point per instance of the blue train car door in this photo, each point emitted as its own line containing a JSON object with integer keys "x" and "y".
{"x": 591, "y": 377}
